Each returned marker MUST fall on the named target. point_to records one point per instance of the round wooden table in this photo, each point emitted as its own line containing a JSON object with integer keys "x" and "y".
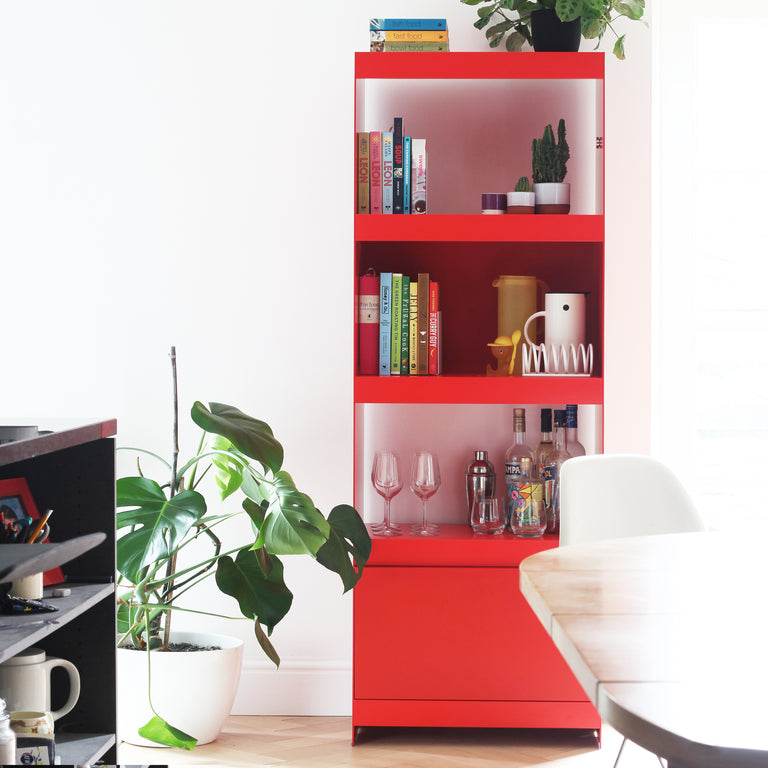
{"x": 668, "y": 636}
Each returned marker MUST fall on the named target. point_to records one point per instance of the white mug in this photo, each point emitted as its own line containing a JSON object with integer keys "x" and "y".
{"x": 564, "y": 318}
{"x": 25, "y": 682}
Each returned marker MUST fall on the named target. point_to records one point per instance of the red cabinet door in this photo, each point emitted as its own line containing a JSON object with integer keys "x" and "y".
{"x": 453, "y": 633}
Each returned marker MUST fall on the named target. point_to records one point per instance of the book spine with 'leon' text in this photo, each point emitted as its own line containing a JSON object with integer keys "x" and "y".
{"x": 375, "y": 162}
{"x": 387, "y": 159}
{"x": 363, "y": 173}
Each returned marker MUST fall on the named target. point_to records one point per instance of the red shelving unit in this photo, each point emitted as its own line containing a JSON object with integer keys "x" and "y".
{"x": 425, "y": 609}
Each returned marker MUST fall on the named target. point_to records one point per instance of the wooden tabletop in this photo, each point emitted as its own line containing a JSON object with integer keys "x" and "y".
{"x": 668, "y": 636}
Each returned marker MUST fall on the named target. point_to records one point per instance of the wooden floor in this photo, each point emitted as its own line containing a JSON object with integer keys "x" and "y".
{"x": 325, "y": 742}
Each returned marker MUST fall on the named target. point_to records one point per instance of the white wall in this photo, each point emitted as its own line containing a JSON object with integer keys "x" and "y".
{"x": 179, "y": 173}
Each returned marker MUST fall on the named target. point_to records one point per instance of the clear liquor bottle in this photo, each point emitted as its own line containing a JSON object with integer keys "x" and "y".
{"x": 545, "y": 443}
{"x": 518, "y": 460}
{"x": 554, "y": 460}
{"x": 575, "y": 448}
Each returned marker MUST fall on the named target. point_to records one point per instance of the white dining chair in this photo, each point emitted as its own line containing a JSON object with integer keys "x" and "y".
{"x": 611, "y": 496}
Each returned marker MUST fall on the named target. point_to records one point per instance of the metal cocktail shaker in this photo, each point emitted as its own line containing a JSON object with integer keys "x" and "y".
{"x": 480, "y": 479}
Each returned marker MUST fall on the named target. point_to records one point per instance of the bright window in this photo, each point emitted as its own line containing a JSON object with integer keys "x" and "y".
{"x": 711, "y": 253}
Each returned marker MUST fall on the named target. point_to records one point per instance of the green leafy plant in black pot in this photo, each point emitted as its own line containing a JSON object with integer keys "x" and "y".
{"x": 511, "y": 21}
{"x": 159, "y": 521}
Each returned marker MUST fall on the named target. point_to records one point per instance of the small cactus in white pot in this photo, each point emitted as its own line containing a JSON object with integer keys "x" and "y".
{"x": 522, "y": 199}
{"x": 548, "y": 159}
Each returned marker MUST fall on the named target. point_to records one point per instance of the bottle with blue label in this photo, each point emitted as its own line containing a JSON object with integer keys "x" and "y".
{"x": 518, "y": 460}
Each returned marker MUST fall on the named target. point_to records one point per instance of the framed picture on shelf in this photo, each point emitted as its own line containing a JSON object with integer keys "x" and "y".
{"x": 16, "y": 503}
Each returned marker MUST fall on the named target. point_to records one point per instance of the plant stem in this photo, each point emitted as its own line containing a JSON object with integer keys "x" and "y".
{"x": 175, "y": 423}
{"x": 168, "y": 596}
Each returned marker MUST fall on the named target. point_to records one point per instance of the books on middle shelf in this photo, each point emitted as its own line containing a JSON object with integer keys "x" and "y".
{"x": 408, "y": 339}
{"x": 391, "y": 171}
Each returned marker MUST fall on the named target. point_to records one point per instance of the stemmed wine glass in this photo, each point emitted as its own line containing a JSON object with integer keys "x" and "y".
{"x": 388, "y": 482}
{"x": 425, "y": 480}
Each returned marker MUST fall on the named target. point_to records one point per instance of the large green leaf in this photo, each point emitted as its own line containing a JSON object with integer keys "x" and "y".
{"x": 568, "y": 10}
{"x": 292, "y": 525}
{"x": 348, "y": 547}
{"x": 160, "y": 524}
{"x": 263, "y": 598}
{"x": 163, "y": 732}
{"x": 250, "y": 436}
{"x": 228, "y": 467}
{"x": 632, "y": 9}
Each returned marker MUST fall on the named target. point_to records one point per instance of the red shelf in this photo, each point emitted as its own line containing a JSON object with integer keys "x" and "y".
{"x": 483, "y": 65}
{"x": 478, "y": 389}
{"x": 478, "y": 228}
{"x": 456, "y": 546}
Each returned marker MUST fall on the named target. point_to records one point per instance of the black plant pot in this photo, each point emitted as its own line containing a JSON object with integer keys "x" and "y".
{"x": 551, "y": 34}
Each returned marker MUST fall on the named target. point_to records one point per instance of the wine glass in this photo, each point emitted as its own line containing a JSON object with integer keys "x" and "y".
{"x": 388, "y": 482}
{"x": 425, "y": 480}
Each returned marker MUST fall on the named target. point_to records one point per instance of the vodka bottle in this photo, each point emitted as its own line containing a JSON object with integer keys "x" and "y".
{"x": 552, "y": 463}
{"x": 575, "y": 448}
{"x": 518, "y": 460}
{"x": 545, "y": 444}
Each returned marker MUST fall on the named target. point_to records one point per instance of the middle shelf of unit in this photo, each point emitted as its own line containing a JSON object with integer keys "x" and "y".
{"x": 479, "y": 390}
{"x": 471, "y": 227}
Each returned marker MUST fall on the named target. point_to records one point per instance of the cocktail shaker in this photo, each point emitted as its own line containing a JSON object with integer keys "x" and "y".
{"x": 480, "y": 479}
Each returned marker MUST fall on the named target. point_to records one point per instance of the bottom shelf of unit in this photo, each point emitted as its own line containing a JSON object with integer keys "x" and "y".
{"x": 83, "y": 748}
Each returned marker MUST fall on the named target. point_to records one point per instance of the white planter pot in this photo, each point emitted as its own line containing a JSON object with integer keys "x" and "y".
{"x": 521, "y": 202}
{"x": 553, "y": 197}
{"x": 193, "y": 691}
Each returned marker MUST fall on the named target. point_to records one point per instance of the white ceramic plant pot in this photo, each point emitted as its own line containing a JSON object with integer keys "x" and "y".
{"x": 521, "y": 202}
{"x": 553, "y": 197}
{"x": 193, "y": 691}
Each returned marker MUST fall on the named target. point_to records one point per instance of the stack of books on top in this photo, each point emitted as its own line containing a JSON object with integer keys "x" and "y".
{"x": 409, "y": 35}
{"x": 391, "y": 171}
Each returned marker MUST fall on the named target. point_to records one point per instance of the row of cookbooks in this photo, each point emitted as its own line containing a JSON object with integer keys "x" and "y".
{"x": 409, "y": 35}
{"x": 398, "y": 324}
{"x": 391, "y": 171}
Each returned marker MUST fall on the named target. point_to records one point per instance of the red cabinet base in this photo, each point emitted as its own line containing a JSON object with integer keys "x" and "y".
{"x": 443, "y": 637}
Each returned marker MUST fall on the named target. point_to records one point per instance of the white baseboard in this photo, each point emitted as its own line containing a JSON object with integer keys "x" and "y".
{"x": 299, "y": 687}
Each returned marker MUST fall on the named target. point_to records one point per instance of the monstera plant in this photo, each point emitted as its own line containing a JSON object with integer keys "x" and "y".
{"x": 160, "y": 519}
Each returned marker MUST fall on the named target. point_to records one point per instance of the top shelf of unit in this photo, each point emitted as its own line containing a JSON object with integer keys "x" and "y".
{"x": 480, "y": 65}
{"x": 480, "y": 228}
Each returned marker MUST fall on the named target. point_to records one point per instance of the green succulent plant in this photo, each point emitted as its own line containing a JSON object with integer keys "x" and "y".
{"x": 548, "y": 159}
{"x": 509, "y": 21}
{"x": 523, "y": 185}
{"x": 160, "y": 519}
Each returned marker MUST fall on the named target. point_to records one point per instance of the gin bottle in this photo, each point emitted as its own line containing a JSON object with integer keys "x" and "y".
{"x": 575, "y": 448}
{"x": 518, "y": 460}
{"x": 551, "y": 477}
{"x": 545, "y": 444}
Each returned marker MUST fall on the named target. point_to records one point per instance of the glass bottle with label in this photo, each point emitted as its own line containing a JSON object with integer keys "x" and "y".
{"x": 545, "y": 444}
{"x": 518, "y": 460}
{"x": 575, "y": 448}
{"x": 552, "y": 463}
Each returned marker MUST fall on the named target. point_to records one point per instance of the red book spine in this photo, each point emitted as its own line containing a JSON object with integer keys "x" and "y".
{"x": 368, "y": 324}
{"x": 375, "y": 151}
{"x": 434, "y": 308}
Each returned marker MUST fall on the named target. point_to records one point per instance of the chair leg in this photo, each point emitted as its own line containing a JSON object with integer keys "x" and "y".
{"x": 621, "y": 749}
